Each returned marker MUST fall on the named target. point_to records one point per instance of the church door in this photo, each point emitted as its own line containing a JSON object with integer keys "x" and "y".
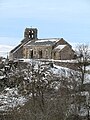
{"x": 40, "y": 54}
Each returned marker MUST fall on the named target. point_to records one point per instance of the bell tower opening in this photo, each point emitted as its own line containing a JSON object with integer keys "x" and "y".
{"x": 30, "y": 33}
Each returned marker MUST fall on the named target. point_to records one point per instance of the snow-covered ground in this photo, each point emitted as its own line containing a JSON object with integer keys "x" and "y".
{"x": 58, "y": 70}
{"x": 9, "y": 98}
{"x": 49, "y": 60}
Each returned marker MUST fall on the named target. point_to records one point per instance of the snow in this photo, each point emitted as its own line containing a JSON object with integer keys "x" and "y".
{"x": 10, "y": 98}
{"x": 86, "y": 93}
{"x": 87, "y": 78}
{"x": 52, "y": 60}
{"x": 58, "y": 70}
{"x": 87, "y": 75}
{"x": 60, "y": 47}
{"x": 4, "y": 50}
{"x": 49, "y": 39}
{"x": 23, "y": 60}
{"x": 18, "y": 48}
{"x": 88, "y": 67}
{"x": 39, "y": 61}
{"x": 83, "y": 111}
{"x": 1, "y": 77}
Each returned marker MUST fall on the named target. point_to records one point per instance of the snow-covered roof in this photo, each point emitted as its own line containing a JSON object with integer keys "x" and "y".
{"x": 60, "y": 47}
{"x": 48, "y": 41}
{"x": 16, "y": 48}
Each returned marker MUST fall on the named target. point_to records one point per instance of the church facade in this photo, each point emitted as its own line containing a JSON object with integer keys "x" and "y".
{"x": 50, "y": 48}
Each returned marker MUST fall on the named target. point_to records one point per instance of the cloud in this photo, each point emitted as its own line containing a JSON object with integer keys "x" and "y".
{"x": 5, "y": 49}
{"x": 9, "y": 41}
{"x": 67, "y": 18}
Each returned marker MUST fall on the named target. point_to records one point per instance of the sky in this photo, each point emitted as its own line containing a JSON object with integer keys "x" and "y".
{"x": 68, "y": 19}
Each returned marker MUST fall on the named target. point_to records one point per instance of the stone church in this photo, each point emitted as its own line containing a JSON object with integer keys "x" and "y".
{"x": 31, "y": 47}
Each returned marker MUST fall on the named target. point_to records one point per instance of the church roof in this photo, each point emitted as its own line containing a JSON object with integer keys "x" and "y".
{"x": 49, "y": 41}
{"x": 18, "y": 46}
{"x": 59, "y": 47}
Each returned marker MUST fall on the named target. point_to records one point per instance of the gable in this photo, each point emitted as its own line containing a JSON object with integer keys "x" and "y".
{"x": 62, "y": 42}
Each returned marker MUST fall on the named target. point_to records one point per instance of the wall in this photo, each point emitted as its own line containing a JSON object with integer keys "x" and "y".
{"x": 38, "y": 52}
{"x": 65, "y": 54}
{"x": 18, "y": 53}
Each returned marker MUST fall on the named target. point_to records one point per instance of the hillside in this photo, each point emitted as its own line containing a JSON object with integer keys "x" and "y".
{"x": 31, "y": 88}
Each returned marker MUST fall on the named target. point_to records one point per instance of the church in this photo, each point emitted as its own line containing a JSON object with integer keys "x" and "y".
{"x": 31, "y": 47}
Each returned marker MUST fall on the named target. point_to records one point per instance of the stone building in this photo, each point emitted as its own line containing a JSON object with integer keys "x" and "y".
{"x": 50, "y": 48}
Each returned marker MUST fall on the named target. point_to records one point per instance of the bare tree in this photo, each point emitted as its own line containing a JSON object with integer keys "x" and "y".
{"x": 83, "y": 53}
{"x": 83, "y": 59}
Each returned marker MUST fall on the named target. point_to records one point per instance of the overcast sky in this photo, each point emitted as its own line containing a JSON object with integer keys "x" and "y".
{"x": 69, "y": 19}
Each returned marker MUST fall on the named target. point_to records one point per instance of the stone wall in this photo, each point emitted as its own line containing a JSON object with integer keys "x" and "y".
{"x": 65, "y": 54}
{"x": 38, "y": 52}
{"x": 16, "y": 54}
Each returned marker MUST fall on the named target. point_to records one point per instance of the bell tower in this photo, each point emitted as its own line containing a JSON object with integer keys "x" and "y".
{"x": 30, "y": 33}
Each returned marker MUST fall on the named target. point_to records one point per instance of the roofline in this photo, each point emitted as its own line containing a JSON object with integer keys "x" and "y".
{"x": 48, "y": 38}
